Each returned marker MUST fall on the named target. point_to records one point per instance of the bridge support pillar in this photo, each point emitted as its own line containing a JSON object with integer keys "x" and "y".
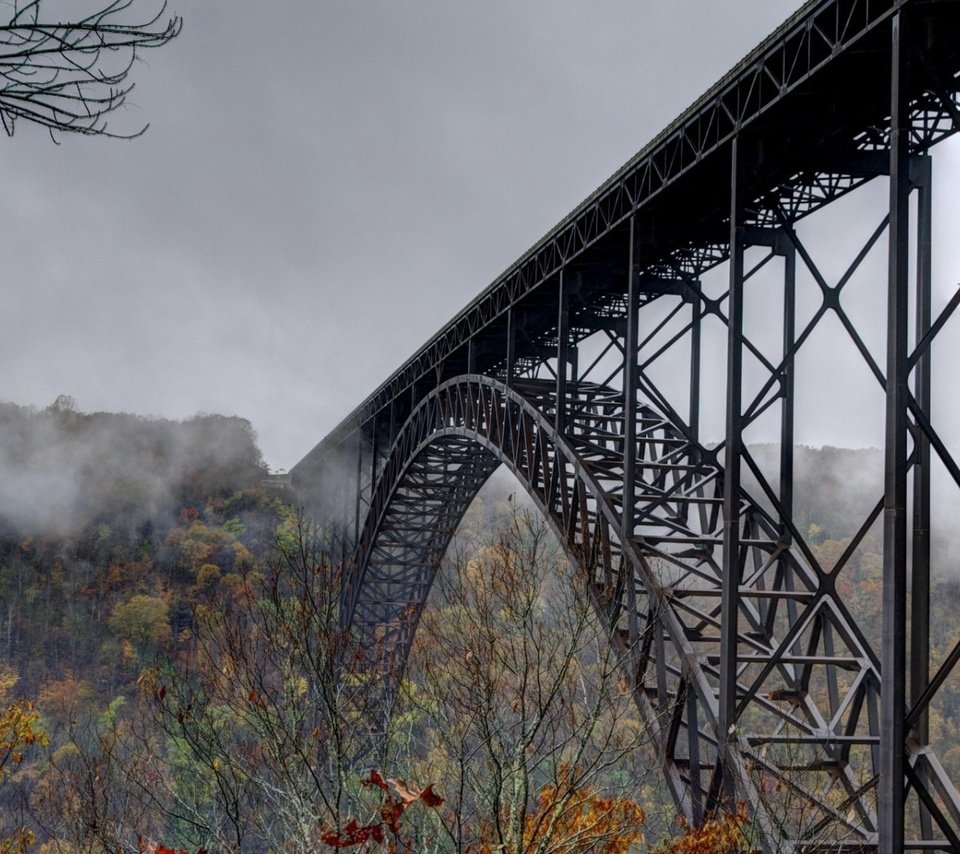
{"x": 920, "y": 565}
{"x": 630, "y": 378}
{"x": 729, "y": 605}
{"x": 894, "y": 621}
{"x": 511, "y": 368}
{"x": 787, "y": 402}
{"x": 563, "y": 348}
{"x": 696, "y": 309}
{"x": 359, "y": 487}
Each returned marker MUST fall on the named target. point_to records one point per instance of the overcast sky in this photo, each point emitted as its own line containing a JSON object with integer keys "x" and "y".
{"x": 323, "y": 185}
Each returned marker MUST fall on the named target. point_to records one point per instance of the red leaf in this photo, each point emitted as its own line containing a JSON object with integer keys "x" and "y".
{"x": 430, "y": 798}
{"x": 391, "y": 815}
{"x": 353, "y": 834}
{"x": 376, "y": 780}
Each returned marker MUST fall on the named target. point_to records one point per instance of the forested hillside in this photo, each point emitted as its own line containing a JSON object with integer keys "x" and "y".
{"x": 112, "y": 528}
{"x": 173, "y": 672}
{"x": 106, "y": 524}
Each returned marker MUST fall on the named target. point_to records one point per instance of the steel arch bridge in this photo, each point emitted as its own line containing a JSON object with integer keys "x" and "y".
{"x": 586, "y": 369}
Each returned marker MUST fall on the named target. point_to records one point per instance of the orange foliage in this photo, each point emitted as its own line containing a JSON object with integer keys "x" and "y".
{"x": 571, "y": 818}
{"x": 719, "y": 835}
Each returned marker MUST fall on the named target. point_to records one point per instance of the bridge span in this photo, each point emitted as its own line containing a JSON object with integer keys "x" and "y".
{"x": 686, "y": 292}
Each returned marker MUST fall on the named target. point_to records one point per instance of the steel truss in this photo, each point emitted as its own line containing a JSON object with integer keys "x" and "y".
{"x": 754, "y": 677}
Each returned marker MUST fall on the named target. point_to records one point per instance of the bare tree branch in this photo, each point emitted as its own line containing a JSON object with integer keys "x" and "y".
{"x": 69, "y": 76}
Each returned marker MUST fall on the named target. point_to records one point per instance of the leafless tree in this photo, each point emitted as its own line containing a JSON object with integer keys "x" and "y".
{"x": 516, "y": 709}
{"x": 261, "y": 710}
{"x": 69, "y": 75}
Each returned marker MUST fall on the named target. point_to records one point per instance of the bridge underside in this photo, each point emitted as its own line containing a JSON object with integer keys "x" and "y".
{"x": 808, "y": 683}
{"x": 688, "y": 300}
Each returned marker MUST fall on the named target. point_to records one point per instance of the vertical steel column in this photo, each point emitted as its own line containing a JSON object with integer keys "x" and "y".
{"x": 920, "y": 593}
{"x": 729, "y": 603}
{"x": 573, "y": 355}
{"x": 573, "y": 351}
{"x": 374, "y": 453}
{"x": 630, "y": 446}
{"x": 342, "y": 513}
{"x": 471, "y": 356}
{"x": 511, "y": 345}
{"x": 359, "y": 487}
{"x": 894, "y": 622}
{"x": 693, "y": 746}
{"x": 393, "y": 423}
{"x": 695, "y": 324}
{"x": 787, "y": 402}
{"x": 630, "y": 391}
{"x": 563, "y": 356}
{"x": 693, "y": 723}
{"x": 787, "y": 384}
{"x": 785, "y": 490}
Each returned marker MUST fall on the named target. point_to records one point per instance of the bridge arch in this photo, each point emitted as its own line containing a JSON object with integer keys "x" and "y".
{"x": 657, "y": 582}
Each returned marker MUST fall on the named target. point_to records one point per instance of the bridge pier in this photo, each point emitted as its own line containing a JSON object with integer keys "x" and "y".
{"x": 894, "y": 620}
{"x": 920, "y": 566}
{"x": 628, "y": 511}
{"x": 730, "y": 604}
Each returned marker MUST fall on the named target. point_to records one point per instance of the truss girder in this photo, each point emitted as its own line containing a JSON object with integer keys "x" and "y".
{"x": 817, "y": 71}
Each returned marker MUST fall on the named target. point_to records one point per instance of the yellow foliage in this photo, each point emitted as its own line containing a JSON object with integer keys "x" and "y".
{"x": 19, "y": 728}
{"x": 208, "y": 575}
{"x": 8, "y": 679}
{"x": 18, "y": 843}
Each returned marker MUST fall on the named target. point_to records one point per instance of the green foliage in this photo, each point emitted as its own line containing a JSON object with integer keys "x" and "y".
{"x": 142, "y": 619}
{"x": 109, "y": 719}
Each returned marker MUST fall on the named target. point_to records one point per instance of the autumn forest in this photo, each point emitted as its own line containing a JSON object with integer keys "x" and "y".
{"x": 173, "y": 675}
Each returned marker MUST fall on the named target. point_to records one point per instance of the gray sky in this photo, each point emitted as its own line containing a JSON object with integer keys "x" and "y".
{"x": 324, "y": 184}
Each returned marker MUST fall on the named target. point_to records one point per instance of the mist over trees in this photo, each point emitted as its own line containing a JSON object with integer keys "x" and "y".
{"x": 61, "y": 469}
{"x": 173, "y": 670}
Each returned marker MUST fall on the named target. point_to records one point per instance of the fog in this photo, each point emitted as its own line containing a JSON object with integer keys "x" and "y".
{"x": 62, "y": 470}
{"x": 324, "y": 185}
